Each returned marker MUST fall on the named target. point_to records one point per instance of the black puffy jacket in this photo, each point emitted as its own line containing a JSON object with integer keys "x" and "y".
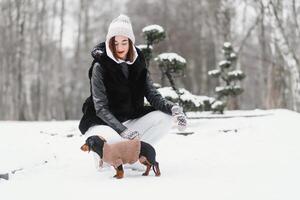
{"x": 114, "y": 97}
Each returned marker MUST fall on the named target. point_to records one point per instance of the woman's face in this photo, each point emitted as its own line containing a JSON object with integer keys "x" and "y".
{"x": 122, "y": 46}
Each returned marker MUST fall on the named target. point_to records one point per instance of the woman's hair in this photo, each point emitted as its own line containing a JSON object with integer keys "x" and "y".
{"x": 130, "y": 54}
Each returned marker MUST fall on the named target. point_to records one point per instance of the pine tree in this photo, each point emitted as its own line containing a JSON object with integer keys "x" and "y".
{"x": 229, "y": 78}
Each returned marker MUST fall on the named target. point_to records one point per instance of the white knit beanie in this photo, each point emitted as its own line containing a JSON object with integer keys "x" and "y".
{"x": 120, "y": 26}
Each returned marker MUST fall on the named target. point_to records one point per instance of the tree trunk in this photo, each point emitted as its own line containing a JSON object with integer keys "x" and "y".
{"x": 41, "y": 76}
{"x": 20, "y": 101}
{"x": 61, "y": 103}
{"x": 287, "y": 52}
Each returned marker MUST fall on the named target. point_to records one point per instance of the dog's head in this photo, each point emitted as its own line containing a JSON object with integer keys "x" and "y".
{"x": 94, "y": 143}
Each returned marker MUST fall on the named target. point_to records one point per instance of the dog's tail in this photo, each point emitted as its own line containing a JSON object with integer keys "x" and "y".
{"x": 156, "y": 169}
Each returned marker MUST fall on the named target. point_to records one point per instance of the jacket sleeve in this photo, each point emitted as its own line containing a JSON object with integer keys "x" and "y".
{"x": 101, "y": 102}
{"x": 155, "y": 98}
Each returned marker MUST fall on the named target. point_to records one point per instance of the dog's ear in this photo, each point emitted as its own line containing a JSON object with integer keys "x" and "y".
{"x": 89, "y": 147}
{"x": 90, "y": 143}
{"x": 102, "y": 138}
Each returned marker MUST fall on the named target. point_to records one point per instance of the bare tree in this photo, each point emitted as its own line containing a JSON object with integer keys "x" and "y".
{"x": 41, "y": 78}
{"x": 287, "y": 52}
{"x": 61, "y": 86}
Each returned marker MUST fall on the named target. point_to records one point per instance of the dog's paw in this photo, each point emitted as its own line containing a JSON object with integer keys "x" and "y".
{"x": 118, "y": 176}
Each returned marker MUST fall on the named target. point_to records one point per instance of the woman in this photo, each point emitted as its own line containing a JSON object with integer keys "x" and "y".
{"x": 119, "y": 81}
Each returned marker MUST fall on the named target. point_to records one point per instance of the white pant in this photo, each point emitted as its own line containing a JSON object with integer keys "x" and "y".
{"x": 151, "y": 128}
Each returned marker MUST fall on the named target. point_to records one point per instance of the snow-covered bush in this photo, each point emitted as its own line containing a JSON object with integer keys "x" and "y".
{"x": 218, "y": 106}
{"x": 153, "y": 34}
{"x": 147, "y": 51}
{"x": 190, "y": 101}
{"x": 171, "y": 64}
{"x": 229, "y": 78}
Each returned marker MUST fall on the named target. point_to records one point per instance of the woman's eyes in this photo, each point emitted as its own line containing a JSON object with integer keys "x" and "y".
{"x": 122, "y": 44}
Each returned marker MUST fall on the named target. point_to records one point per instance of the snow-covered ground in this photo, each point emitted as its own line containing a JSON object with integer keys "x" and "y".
{"x": 234, "y": 158}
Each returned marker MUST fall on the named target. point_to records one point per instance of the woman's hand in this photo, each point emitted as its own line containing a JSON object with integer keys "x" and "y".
{"x": 130, "y": 134}
{"x": 179, "y": 117}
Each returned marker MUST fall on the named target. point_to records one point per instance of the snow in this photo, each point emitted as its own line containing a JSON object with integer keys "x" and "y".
{"x": 235, "y": 73}
{"x": 170, "y": 57}
{"x": 157, "y": 85}
{"x": 143, "y": 46}
{"x": 186, "y": 95}
{"x": 153, "y": 27}
{"x": 229, "y": 114}
{"x": 169, "y": 92}
{"x": 227, "y": 44}
{"x": 226, "y": 158}
{"x": 221, "y": 88}
{"x": 224, "y": 62}
{"x": 216, "y": 104}
{"x": 214, "y": 72}
{"x": 233, "y": 55}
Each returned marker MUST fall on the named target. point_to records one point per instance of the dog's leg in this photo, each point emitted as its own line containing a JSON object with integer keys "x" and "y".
{"x": 120, "y": 172}
{"x": 148, "y": 165}
{"x": 147, "y": 157}
{"x": 156, "y": 169}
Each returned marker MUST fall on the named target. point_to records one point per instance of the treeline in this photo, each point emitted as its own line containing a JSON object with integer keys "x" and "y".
{"x": 45, "y": 49}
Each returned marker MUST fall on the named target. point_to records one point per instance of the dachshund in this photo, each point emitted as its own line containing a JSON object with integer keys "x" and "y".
{"x": 123, "y": 152}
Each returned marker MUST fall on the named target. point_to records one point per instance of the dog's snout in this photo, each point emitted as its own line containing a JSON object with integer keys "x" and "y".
{"x": 85, "y": 147}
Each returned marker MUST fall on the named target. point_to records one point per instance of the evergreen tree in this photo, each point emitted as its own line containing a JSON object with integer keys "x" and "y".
{"x": 229, "y": 78}
{"x": 169, "y": 63}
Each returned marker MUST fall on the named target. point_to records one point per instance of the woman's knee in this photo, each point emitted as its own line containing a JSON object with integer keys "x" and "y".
{"x": 160, "y": 117}
{"x": 104, "y": 131}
